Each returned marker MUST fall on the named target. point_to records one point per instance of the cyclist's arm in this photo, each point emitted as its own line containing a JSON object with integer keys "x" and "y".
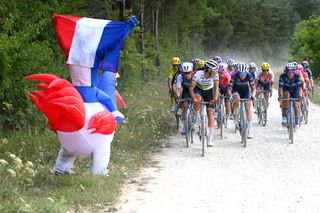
{"x": 169, "y": 83}
{"x": 252, "y": 86}
{"x": 191, "y": 89}
{"x": 281, "y": 83}
{"x": 216, "y": 90}
{"x": 230, "y": 87}
{"x": 178, "y": 86}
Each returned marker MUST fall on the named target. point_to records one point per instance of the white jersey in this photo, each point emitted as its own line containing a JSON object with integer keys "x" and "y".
{"x": 203, "y": 82}
{"x": 179, "y": 81}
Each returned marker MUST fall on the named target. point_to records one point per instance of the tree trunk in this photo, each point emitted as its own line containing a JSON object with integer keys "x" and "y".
{"x": 122, "y": 10}
{"x": 157, "y": 39}
{"x": 143, "y": 75}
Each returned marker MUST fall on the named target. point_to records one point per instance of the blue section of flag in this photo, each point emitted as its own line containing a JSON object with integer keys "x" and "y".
{"x": 108, "y": 51}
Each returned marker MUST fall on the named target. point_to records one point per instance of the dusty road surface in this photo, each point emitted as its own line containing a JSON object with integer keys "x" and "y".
{"x": 269, "y": 175}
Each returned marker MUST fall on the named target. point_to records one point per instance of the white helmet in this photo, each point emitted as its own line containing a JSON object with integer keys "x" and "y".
{"x": 187, "y": 67}
{"x": 242, "y": 67}
{"x": 252, "y": 65}
{"x": 211, "y": 65}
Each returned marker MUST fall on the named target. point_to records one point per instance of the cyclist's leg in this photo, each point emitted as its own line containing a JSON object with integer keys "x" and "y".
{"x": 197, "y": 105}
{"x": 207, "y": 97}
{"x": 236, "y": 101}
{"x": 248, "y": 105}
{"x": 296, "y": 105}
{"x": 183, "y": 117}
{"x": 266, "y": 87}
{"x": 284, "y": 106}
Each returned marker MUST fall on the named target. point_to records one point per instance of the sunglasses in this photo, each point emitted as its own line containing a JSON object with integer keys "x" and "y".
{"x": 243, "y": 74}
{"x": 187, "y": 73}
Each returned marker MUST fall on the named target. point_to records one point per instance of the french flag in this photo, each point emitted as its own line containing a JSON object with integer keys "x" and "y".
{"x": 91, "y": 43}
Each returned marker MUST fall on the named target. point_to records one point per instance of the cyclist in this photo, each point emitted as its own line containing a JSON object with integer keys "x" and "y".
{"x": 290, "y": 85}
{"x": 182, "y": 90}
{"x": 205, "y": 85}
{"x": 224, "y": 81}
{"x": 242, "y": 86}
{"x": 176, "y": 63}
{"x": 264, "y": 81}
{"x": 253, "y": 70}
{"x": 217, "y": 59}
{"x": 199, "y": 65}
{"x": 308, "y": 73}
{"x": 230, "y": 68}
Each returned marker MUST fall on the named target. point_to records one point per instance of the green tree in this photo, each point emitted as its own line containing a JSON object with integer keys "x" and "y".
{"x": 306, "y": 43}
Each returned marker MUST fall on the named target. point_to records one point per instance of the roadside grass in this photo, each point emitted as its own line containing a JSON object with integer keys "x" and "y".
{"x": 27, "y": 181}
{"x": 315, "y": 97}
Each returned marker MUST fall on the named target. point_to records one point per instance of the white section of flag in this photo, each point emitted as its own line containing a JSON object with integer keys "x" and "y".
{"x": 80, "y": 76}
{"x": 85, "y": 41}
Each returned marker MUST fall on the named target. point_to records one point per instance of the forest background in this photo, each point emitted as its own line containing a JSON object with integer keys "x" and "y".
{"x": 247, "y": 30}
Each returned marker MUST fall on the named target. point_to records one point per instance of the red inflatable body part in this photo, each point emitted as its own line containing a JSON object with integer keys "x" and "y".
{"x": 59, "y": 101}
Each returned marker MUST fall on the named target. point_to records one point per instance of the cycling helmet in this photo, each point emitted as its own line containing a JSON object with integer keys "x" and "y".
{"x": 217, "y": 59}
{"x": 195, "y": 61}
{"x": 175, "y": 61}
{"x": 187, "y": 67}
{"x": 231, "y": 62}
{"x": 295, "y": 64}
{"x": 221, "y": 68}
{"x": 290, "y": 66}
{"x": 211, "y": 65}
{"x": 305, "y": 64}
{"x": 265, "y": 66}
{"x": 242, "y": 67}
{"x": 299, "y": 67}
{"x": 252, "y": 65}
{"x": 200, "y": 65}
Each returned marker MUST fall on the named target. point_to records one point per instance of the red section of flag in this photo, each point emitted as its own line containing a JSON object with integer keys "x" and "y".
{"x": 65, "y": 27}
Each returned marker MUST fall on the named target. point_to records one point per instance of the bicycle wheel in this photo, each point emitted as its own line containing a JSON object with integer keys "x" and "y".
{"x": 259, "y": 111}
{"x": 264, "y": 112}
{"x": 188, "y": 127}
{"x": 243, "y": 127}
{"x": 291, "y": 124}
{"x": 305, "y": 108}
{"x": 177, "y": 120}
{"x": 203, "y": 135}
{"x": 221, "y": 119}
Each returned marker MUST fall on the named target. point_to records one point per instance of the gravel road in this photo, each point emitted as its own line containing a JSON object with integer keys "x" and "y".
{"x": 269, "y": 175}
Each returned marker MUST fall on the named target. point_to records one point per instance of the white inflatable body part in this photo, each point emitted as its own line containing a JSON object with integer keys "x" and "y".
{"x": 82, "y": 143}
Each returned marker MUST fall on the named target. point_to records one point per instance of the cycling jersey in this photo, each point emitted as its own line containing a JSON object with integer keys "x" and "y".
{"x": 203, "y": 82}
{"x": 241, "y": 86}
{"x": 264, "y": 81}
{"x": 290, "y": 85}
{"x": 185, "y": 84}
{"x": 204, "y": 87}
{"x": 172, "y": 71}
{"x": 299, "y": 73}
{"x": 224, "y": 79}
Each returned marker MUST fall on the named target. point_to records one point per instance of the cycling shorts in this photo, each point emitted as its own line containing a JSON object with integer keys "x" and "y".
{"x": 207, "y": 96}
{"x": 265, "y": 87}
{"x": 293, "y": 94}
{"x": 224, "y": 91}
{"x": 243, "y": 94}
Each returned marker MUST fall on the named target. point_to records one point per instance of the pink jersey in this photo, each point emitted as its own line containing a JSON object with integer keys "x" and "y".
{"x": 224, "y": 79}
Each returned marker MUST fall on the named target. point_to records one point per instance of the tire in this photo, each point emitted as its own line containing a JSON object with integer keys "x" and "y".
{"x": 203, "y": 136}
{"x": 291, "y": 124}
{"x": 264, "y": 112}
{"x": 221, "y": 120}
{"x": 188, "y": 126}
{"x": 177, "y": 120}
{"x": 243, "y": 128}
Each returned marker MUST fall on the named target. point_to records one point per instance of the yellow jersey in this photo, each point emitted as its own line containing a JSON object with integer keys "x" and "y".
{"x": 171, "y": 73}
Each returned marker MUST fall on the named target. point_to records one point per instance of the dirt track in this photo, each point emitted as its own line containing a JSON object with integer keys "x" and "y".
{"x": 269, "y": 175}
